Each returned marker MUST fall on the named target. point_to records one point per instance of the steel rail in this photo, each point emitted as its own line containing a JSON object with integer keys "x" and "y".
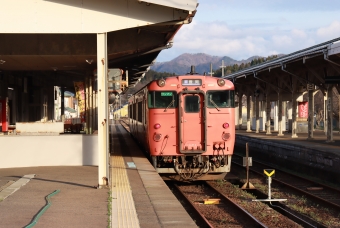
{"x": 256, "y": 222}
{"x": 323, "y": 200}
{"x": 192, "y": 206}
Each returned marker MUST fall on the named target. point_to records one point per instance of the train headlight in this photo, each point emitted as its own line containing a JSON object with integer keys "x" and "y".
{"x": 157, "y": 137}
{"x": 225, "y": 125}
{"x": 157, "y": 126}
{"x": 161, "y": 82}
{"x": 225, "y": 136}
{"x": 220, "y": 82}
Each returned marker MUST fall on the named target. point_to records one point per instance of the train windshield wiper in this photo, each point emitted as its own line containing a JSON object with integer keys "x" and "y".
{"x": 171, "y": 103}
{"x": 214, "y": 104}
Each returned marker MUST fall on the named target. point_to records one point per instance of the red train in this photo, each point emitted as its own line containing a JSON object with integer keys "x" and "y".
{"x": 186, "y": 124}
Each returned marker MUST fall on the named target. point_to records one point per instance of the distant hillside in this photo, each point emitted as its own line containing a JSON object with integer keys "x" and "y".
{"x": 182, "y": 64}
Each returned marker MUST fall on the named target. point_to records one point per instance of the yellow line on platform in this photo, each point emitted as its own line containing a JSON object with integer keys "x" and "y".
{"x": 125, "y": 215}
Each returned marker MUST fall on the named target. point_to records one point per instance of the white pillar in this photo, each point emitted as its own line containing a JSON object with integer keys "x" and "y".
{"x": 263, "y": 116}
{"x": 310, "y": 114}
{"x": 257, "y": 115}
{"x": 248, "y": 113}
{"x": 294, "y": 107}
{"x": 284, "y": 115}
{"x": 240, "y": 112}
{"x": 102, "y": 62}
{"x": 91, "y": 108}
{"x": 275, "y": 116}
{"x": 279, "y": 115}
{"x": 330, "y": 114}
{"x": 268, "y": 109}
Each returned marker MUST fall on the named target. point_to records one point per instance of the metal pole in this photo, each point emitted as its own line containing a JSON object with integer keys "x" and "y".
{"x": 222, "y": 68}
{"x": 269, "y": 188}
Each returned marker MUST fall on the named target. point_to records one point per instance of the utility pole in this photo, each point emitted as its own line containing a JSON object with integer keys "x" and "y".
{"x": 222, "y": 68}
{"x": 211, "y": 72}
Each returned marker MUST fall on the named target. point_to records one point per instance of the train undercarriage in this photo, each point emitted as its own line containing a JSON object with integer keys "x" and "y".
{"x": 192, "y": 167}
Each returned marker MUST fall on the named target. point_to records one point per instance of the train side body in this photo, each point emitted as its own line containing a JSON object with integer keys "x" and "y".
{"x": 185, "y": 121}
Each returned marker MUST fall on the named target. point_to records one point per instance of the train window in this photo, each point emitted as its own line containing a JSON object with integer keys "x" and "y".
{"x": 220, "y": 99}
{"x": 162, "y": 99}
{"x": 140, "y": 111}
{"x": 192, "y": 104}
{"x": 134, "y": 111}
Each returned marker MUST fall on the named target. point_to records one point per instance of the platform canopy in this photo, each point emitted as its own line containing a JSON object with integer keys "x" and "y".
{"x": 57, "y": 38}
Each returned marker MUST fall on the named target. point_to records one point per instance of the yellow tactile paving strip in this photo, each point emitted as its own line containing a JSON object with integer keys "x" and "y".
{"x": 123, "y": 208}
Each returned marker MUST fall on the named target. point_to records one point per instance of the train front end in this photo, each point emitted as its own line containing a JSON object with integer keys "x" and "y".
{"x": 191, "y": 131}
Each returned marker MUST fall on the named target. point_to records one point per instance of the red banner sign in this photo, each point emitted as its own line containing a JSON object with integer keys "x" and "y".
{"x": 303, "y": 109}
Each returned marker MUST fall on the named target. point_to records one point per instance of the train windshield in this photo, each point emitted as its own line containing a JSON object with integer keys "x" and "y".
{"x": 220, "y": 99}
{"x": 162, "y": 99}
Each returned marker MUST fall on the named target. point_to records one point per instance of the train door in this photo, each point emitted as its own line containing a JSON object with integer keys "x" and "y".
{"x": 192, "y": 122}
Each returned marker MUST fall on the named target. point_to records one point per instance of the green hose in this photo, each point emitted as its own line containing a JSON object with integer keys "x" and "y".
{"x": 42, "y": 211}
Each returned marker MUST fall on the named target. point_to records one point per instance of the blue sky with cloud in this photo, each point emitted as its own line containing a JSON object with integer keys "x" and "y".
{"x": 244, "y": 28}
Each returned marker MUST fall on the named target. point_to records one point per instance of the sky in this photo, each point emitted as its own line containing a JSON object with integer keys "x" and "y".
{"x": 244, "y": 28}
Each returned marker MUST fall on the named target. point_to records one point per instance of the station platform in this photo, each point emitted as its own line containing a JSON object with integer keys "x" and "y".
{"x": 315, "y": 154}
{"x": 140, "y": 198}
{"x": 78, "y": 204}
{"x": 136, "y": 197}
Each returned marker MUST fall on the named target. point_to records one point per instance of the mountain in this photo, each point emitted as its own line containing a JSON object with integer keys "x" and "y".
{"x": 201, "y": 61}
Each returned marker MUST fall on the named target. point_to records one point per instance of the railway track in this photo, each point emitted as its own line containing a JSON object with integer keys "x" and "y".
{"x": 315, "y": 202}
{"x": 320, "y": 193}
{"x": 200, "y": 198}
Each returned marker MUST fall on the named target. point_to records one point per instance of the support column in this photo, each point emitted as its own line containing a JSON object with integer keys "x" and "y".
{"x": 240, "y": 112}
{"x": 280, "y": 133}
{"x": 257, "y": 115}
{"x": 325, "y": 112}
{"x": 102, "y": 109}
{"x": 95, "y": 112}
{"x": 330, "y": 114}
{"x": 284, "y": 116}
{"x": 276, "y": 116}
{"x": 268, "y": 109}
{"x": 294, "y": 105}
{"x": 62, "y": 107}
{"x": 87, "y": 104}
{"x": 90, "y": 107}
{"x": 248, "y": 114}
{"x": 310, "y": 114}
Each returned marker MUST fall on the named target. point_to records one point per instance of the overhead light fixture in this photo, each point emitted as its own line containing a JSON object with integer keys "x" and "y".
{"x": 89, "y": 61}
{"x": 2, "y": 61}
